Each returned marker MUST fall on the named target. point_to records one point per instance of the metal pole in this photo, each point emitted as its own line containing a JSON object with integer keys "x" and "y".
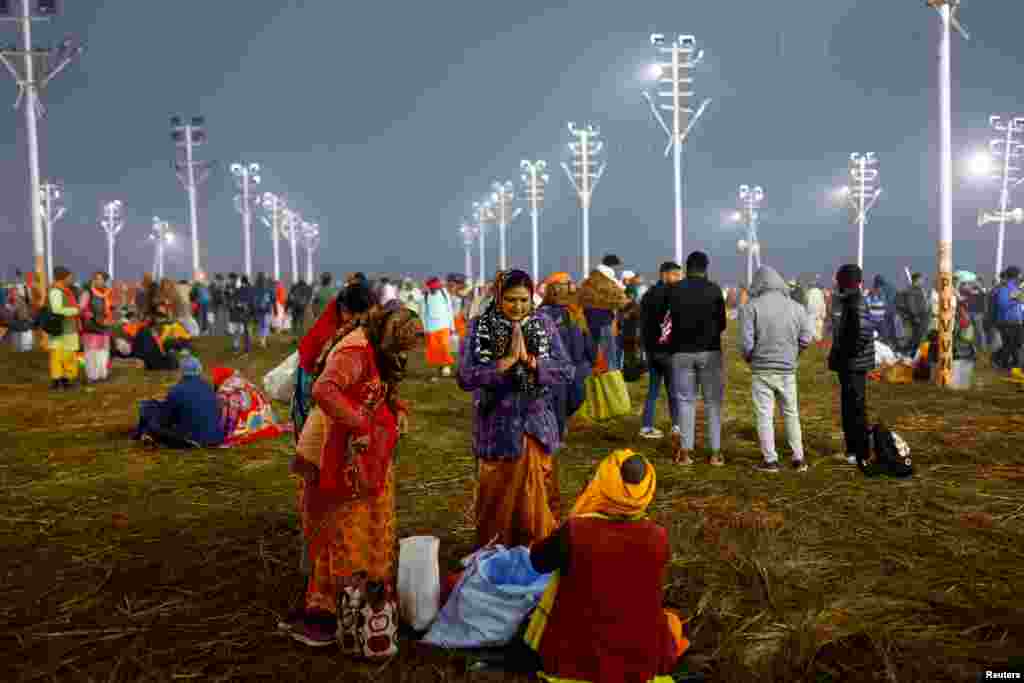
{"x": 274, "y": 231}
{"x": 1004, "y": 197}
{"x": 585, "y": 196}
{"x": 677, "y": 153}
{"x": 469, "y": 262}
{"x": 192, "y": 213}
{"x": 535, "y": 241}
{"x": 49, "y": 232}
{"x": 309, "y": 263}
{"x": 860, "y": 217}
{"x": 32, "y": 132}
{"x": 247, "y": 223}
{"x": 292, "y": 220}
{"x": 483, "y": 264}
{"x": 944, "y": 371}
{"x": 110, "y": 256}
{"x": 502, "y": 226}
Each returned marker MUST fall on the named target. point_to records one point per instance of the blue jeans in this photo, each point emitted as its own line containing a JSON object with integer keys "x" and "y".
{"x": 241, "y": 331}
{"x": 703, "y": 370}
{"x": 659, "y": 370}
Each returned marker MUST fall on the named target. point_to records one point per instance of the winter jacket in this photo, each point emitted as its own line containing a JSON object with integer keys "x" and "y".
{"x": 299, "y": 297}
{"x": 436, "y": 311}
{"x": 1007, "y": 308}
{"x": 913, "y": 303}
{"x": 192, "y": 411}
{"x": 242, "y": 303}
{"x": 653, "y": 307}
{"x": 853, "y": 334}
{"x": 773, "y": 328}
{"x": 698, "y": 315}
{"x": 876, "y": 308}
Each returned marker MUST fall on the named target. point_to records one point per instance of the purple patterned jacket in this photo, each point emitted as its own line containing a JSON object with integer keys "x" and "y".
{"x": 507, "y": 415}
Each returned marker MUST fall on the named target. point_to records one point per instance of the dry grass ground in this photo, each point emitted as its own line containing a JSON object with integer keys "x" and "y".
{"x": 125, "y": 564}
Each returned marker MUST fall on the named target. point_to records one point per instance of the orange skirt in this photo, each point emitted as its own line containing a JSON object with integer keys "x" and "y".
{"x": 460, "y": 325}
{"x": 439, "y": 354}
{"x": 517, "y": 501}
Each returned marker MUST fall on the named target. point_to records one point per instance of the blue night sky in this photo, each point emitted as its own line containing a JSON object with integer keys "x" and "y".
{"x": 383, "y": 121}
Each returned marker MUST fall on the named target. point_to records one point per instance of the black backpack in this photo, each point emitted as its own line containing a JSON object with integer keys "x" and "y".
{"x": 890, "y": 454}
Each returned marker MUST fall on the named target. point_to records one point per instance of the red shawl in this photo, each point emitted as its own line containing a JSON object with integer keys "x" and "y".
{"x": 321, "y": 333}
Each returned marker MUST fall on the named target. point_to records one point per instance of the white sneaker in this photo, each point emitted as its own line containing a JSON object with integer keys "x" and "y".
{"x": 676, "y": 430}
{"x": 651, "y": 433}
{"x": 446, "y": 371}
{"x": 851, "y": 459}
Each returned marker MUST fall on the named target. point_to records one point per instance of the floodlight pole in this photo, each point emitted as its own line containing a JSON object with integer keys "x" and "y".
{"x": 160, "y": 236}
{"x": 750, "y": 201}
{"x": 247, "y": 177}
{"x": 193, "y": 213}
{"x": 862, "y": 194}
{"x": 272, "y": 204}
{"x": 48, "y": 194}
{"x": 112, "y": 223}
{"x": 1011, "y": 150}
{"x": 681, "y": 80}
{"x": 584, "y": 177}
{"x": 291, "y": 221}
{"x": 469, "y": 233}
{"x": 484, "y": 215}
{"x": 29, "y": 84}
{"x": 311, "y": 241}
{"x": 502, "y": 198}
{"x": 944, "y": 282}
{"x": 188, "y": 136}
{"x": 535, "y": 180}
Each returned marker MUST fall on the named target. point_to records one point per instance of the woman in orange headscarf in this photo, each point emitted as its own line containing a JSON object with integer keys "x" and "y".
{"x": 601, "y": 619}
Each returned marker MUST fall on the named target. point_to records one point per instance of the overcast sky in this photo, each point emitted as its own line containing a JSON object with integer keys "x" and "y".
{"x": 384, "y": 120}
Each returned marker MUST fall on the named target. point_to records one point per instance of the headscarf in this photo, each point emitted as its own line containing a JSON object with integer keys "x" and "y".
{"x": 323, "y": 331}
{"x": 190, "y": 366}
{"x": 434, "y": 284}
{"x": 494, "y": 333}
{"x": 608, "y": 494}
{"x": 392, "y": 331}
{"x": 219, "y": 375}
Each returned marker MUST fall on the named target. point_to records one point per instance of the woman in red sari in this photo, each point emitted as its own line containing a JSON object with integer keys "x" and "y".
{"x": 346, "y": 494}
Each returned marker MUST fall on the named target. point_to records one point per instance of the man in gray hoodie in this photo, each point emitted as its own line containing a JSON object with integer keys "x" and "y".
{"x": 774, "y": 330}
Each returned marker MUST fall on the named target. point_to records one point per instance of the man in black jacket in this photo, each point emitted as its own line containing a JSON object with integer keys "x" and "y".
{"x": 653, "y": 308}
{"x": 914, "y": 304}
{"x": 697, "y": 317}
{"x": 852, "y": 357}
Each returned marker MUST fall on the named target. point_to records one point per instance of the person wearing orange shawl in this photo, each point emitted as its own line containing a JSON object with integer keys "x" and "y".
{"x": 98, "y": 321}
{"x": 346, "y": 487}
{"x": 438, "y": 325}
{"x": 64, "y": 347}
{"x": 601, "y": 619}
{"x": 246, "y": 413}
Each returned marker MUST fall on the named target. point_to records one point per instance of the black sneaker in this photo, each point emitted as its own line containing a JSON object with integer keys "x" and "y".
{"x": 765, "y": 466}
{"x": 57, "y": 385}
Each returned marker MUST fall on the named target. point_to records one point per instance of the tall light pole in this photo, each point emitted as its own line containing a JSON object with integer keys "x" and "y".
{"x": 861, "y": 194}
{"x": 160, "y": 236}
{"x": 191, "y": 173}
{"x": 32, "y": 69}
{"x": 290, "y": 231}
{"x": 501, "y": 200}
{"x": 1008, "y": 149}
{"x": 677, "y": 73}
{"x": 49, "y": 194}
{"x": 469, "y": 233}
{"x": 310, "y": 237}
{"x": 484, "y": 213}
{"x": 535, "y": 180}
{"x": 247, "y": 176}
{"x": 273, "y": 205}
{"x": 944, "y": 282}
{"x": 585, "y": 176}
{"x": 112, "y": 223}
{"x": 750, "y": 206}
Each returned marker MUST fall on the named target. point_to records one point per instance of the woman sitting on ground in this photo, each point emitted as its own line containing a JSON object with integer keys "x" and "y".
{"x": 601, "y": 619}
{"x": 246, "y": 413}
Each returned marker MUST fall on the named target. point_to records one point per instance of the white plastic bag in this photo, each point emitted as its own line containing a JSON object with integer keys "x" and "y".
{"x": 491, "y": 600}
{"x": 280, "y": 382}
{"x": 419, "y": 581}
{"x": 884, "y": 355}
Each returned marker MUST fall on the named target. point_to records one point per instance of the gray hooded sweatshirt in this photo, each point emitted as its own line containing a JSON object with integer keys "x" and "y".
{"x": 773, "y": 328}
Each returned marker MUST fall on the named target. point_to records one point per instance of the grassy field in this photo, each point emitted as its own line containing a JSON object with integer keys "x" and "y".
{"x": 120, "y": 563}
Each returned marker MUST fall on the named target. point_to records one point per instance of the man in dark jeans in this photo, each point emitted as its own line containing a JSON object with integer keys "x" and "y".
{"x": 852, "y": 357}
{"x": 916, "y": 309}
{"x": 697, "y": 309}
{"x": 654, "y": 306}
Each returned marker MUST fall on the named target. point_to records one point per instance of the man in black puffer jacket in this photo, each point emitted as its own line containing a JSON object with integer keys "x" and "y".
{"x": 852, "y": 357}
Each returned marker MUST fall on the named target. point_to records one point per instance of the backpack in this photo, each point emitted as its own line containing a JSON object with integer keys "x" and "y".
{"x": 890, "y": 454}
{"x": 49, "y": 322}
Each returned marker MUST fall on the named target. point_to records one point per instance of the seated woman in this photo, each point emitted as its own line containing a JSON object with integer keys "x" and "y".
{"x": 601, "y": 619}
{"x": 188, "y": 418}
{"x": 246, "y": 412}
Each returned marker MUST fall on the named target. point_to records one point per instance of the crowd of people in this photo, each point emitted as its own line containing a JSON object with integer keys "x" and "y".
{"x": 538, "y": 358}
